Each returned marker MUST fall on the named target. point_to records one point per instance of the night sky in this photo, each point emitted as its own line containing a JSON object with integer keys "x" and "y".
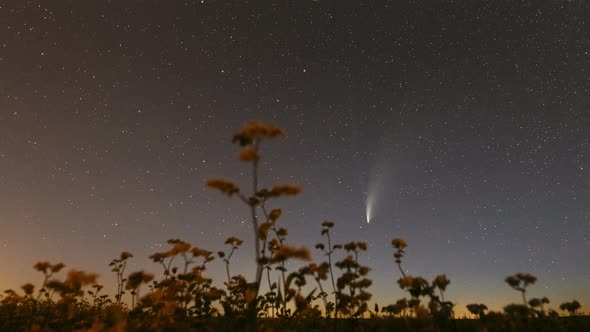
{"x": 464, "y": 127}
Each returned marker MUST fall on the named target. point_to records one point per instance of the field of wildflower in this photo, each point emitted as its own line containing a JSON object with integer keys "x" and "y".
{"x": 332, "y": 295}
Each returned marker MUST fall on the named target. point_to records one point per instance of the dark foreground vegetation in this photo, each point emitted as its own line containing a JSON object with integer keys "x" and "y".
{"x": 333, "y": 295}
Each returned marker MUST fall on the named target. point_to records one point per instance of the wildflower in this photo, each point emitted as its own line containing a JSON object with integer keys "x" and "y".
{"x": 519, "y": 282}
{"x": 327, "y": 224}
{"x": 350, "y": 246}
{"x": 363, "y": 283}
{"x": 284, "y": 190}
{"x": 571, "y": 307}
{"x": 345, "y": 279}
{"x": 249, "y": 154}
{"x": 535, "y": 302}
{"x": 263, "y": 230}
{"x": 477, "y": 309}
{"x": 274, "y": 214}
{"x": 405, "y": 282}
{"x": 347, "y": 263}
{"x": 125, "y": 255}
{"x": 198, "y": 252}
{"x": 57, "y": 267}
{"x": 76, "y": 279}
{"x": 399, "y": 243}
{"x": 363, "y": 270}
{"x": 234, "y": 241}
{"x": 28, "y": 288}
{"x": 441, "y": 282}
{"x": 137, "y": 278}
{"x": 226, "y": 187}
{"x": 526, "y": 278}
{"x": 282, "y": 232}
{"x": 57, "y": 285}
{"x": 322, "y": 271}
{"x": 285, "y": 252}
{"x": 517, "y": 310}
{"x": 180, "y": 247}
{"x": 417, "y": 286}
{"x": 158, "y": 257}
{"x": 42, "y": 266}
{"x": 255, "y": 130}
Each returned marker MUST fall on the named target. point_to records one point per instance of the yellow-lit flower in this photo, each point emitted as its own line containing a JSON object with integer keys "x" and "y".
{"x": 180, "y": 247}
{"x": 249, "y": 154}
{"x": 226, "y": 187}
{"x": 399, "y": 243}
{"x": 274, "y": 214}
{"x": 234, "y": 241}
{"x": 254, "y": 131}
{"x": 286, "y": 252}
{"x": 284, "y": 190}
{"x": 263, "y": 230}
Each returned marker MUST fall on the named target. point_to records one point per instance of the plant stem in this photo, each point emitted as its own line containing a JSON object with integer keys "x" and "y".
{"x": 330, "y": 251}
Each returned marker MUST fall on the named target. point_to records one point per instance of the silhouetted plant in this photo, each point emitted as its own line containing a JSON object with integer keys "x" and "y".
{"x": 328, "y": 249}
{"x": 281, "y": 255}
{"x": 236, "y": 301}
{"x": 98, "y": 300}
{"x": 72, "y": 285}
{"x": 234, "y": 244}
{"x": 517, "y": 310}
{"x": 571, "y": 307}
{"x": 184, "y": 291}
{"x": 478, "y": 310}
{"x": 397, "y": 309}
{"x": 134, "y": 281}
{"x": 399, "y": 245}
{"x": 440, "y": 309}
{"x": 118, "y": 266}
{"x": 249, "y": 138}
{"x": 48, "y": 271}
{"x": 538, "y": 305}
{"x": 520, "y": 282}
{"x": 319, "y": 274}
{"x": 353, "y": 279}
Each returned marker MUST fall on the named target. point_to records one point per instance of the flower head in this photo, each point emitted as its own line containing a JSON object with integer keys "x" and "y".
{"x": 234, "y": 241}
{"x": 226, "y": 187}
{"x": 399, "y": 243}
{"x": 286, "y": 252}
{"x": 254, "y": 131}
{"x": 249, "y": 154}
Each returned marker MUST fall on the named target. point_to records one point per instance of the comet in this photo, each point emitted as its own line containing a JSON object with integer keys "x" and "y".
{"x": 369, "y": 208}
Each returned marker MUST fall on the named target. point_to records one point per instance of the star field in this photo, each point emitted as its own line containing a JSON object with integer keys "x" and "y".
{"x": 468, "y": 121}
